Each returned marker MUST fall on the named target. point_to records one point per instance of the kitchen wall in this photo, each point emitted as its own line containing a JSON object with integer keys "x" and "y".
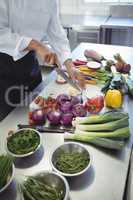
{"x": 78, "y": 7}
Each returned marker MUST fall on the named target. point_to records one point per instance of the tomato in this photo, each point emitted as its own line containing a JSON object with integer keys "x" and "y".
{"x": 95, "y": 104}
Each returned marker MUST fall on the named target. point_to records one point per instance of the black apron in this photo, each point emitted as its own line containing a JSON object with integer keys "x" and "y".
{"x": 17, "y": 78}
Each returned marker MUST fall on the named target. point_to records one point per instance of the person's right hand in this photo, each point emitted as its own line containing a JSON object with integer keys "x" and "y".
{"x": 44, "y": 52}
{"x": 46, "y": 55}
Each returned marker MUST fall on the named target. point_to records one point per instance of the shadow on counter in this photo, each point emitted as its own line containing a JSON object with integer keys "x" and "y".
{"x": 10, "y": 193}
{"x": 30, "y": 161}
{"x": 82, "y": 181}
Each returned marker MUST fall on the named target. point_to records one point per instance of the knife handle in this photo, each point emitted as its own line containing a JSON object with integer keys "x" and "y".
{"x": 20, "y": 126}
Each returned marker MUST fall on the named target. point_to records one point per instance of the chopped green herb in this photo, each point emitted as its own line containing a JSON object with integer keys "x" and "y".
{"x": 23, "y": 142}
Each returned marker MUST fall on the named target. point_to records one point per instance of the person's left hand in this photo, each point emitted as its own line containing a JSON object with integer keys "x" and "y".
{"x": 74, "y": 73}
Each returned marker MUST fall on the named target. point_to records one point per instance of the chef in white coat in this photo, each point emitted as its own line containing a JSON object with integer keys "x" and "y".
{"x": 24, "y": 26}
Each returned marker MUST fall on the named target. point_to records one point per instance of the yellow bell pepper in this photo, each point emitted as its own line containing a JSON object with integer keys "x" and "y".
{"x": 113, "y": 98}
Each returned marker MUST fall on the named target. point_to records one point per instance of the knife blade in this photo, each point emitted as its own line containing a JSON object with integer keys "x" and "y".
{"x": 63, "y": 75}
{"x": 46, "y": 129}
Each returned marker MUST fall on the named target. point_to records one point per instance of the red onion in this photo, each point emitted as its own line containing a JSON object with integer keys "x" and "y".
{"x": 62, "y": 98}
{"x": 75, "y": 100}
{"x": 54, "y": 117}
{"x": 79, "y": 110}
{"x": 66, "y": 119}
{"x": 66, "y": 107}
{"x": 38, "y": 116}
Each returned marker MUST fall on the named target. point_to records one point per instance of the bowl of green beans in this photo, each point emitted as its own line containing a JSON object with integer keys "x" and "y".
{"x": 6, "y": 172}
{"x": 70, "y": 159}
{"x": 46, "y": 185}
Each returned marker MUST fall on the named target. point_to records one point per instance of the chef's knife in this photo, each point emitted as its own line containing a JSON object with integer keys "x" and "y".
{"x": 63, "y": 75}
{"x": 46, "y": 129}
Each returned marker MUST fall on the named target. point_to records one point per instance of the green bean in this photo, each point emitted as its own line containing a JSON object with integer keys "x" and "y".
{"x": 72, "y": 162}
{"x": 38, "y": 190}
{"x": 5, "y": 169}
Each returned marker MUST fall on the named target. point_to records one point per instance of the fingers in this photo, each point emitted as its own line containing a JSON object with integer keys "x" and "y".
{"x": 51, "y": 58}
{"x": 47, "y": 55}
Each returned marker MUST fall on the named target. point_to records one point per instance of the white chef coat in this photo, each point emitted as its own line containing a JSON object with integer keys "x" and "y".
{"x": 24, "y": 20}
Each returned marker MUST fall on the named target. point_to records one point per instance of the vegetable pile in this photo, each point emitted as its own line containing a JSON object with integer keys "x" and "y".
{"x": 23, "y": 142}
{"x": 108, "y": 130}
{"x": 34, "y": 189}
{"x": 60, "y": 111}
{"x": 94, "y": 76}
{"x": 113, "y": 74}
{"x": 72, "y": 162}
{"x": 5, "y": 169}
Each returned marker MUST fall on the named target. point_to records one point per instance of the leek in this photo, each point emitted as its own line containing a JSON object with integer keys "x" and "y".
{"x": 101, "y": 118}
{"x": 101, "y": 142}
{"x": 110, "y": 126}
{"x": 121, "y": 133}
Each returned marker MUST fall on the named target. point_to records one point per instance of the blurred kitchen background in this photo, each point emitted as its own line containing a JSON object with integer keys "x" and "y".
{"x": 98, "y": 21}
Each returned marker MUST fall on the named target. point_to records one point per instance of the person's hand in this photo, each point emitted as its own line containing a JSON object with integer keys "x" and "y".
{"x": 46, "y": 55}
{"x": 44, "y": 52}
{"x": 74, "y": 74}
{"x": 49, "y": 57}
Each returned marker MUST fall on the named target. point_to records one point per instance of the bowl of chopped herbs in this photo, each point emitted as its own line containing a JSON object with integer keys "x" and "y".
{"x": 70, "y": 159}
{"x": 23, "y": 142}
{"x": 6, "y": 171}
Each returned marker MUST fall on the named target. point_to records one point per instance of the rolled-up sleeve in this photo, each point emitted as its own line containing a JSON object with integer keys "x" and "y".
{"x": 11, "y": 43}
{"x": 57, "y": 37}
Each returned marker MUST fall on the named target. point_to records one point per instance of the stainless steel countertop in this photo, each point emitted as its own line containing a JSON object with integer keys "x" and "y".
{"x": 83, "y": 21}
{"x": 107, "y": 177}
{"x": 118, "y": 23}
